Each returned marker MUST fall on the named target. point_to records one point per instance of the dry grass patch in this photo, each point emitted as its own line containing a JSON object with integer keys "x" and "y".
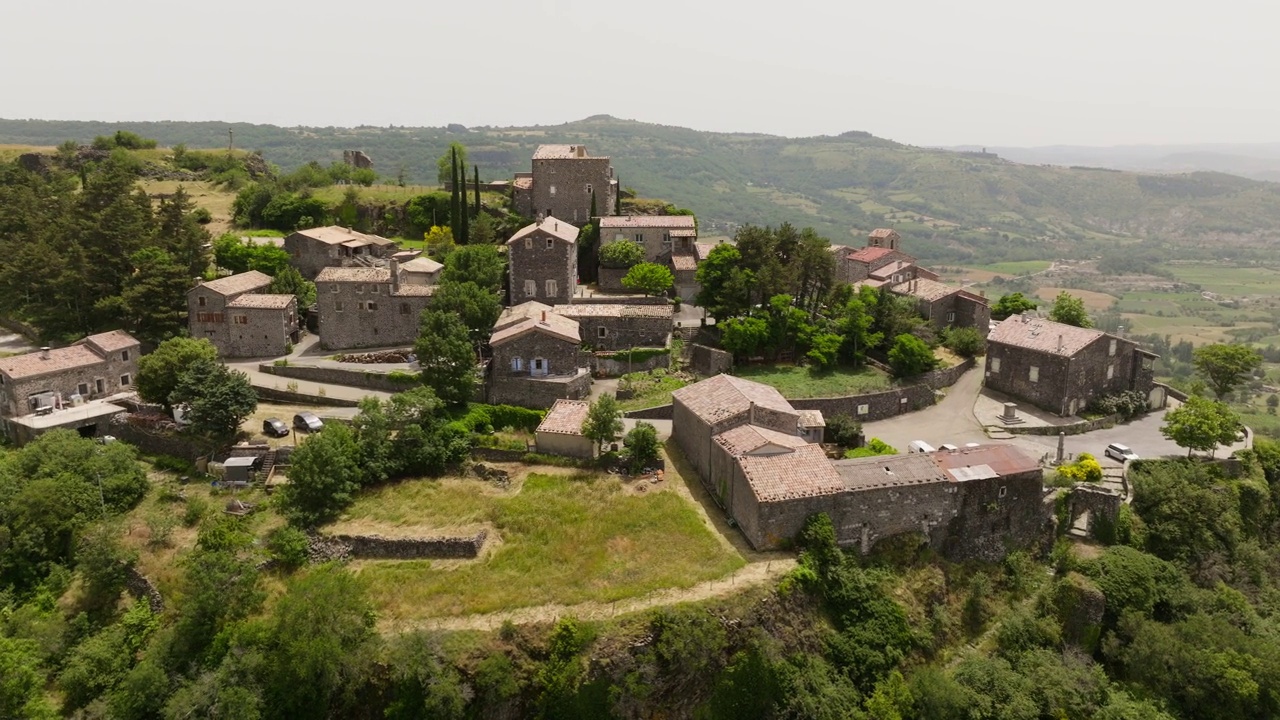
{"x": 565, "y": 540}
{"x": 1093, "y": 301}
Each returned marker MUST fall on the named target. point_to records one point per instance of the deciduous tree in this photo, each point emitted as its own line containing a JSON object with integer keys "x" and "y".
{"x": 1069, "y": 310}
{"x": 478, "y": 308}
{"x": 482, "y": 265}
{"x": 642, "y": 445}
{"x": 1012, "y": 304}
{"x": 1201, "y": 424}
{"x": 622, "y": 254}
{"x": 1225, "y": 366}
{"x": 219, "y": 398}
{"x": 324, "y": 475}
{"x": 446, "y": 356}
{"x": 604, "y": 421}
{"x": 288, "y": 281}
{"x": 910, "y": 357}
{"x": 158, "y": 372}
{"x": 649, "y": 278}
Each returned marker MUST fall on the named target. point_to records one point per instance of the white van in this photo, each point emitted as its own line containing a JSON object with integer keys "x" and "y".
{"x": 919, "y": 446}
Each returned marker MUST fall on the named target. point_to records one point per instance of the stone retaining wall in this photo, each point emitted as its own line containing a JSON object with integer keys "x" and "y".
{"x": 140, "y": 587}
{"x": 605, "y": 366}
{"x": 377, "y": 547}
{"x": 287, "y": 397}
{"x": 158, "y": 442}
{"x": 1077, "y": 428}
{"x": 369, "y": 379}
{"x": 879, "y": 406}
{"x": 659, "y": 412}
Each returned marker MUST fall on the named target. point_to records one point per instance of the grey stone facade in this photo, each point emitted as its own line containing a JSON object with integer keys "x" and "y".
{"x": 543, "y": 262}
{"x": 537, "y": 359}
{"x": 561, "y": 183}
{"x": 240, "y": 318}
{"x": 945, "y": 306}
{"x": 621, "y": 327}
{"x": 315, "y": 249}
{"x": 97, "y": 367}
{"x": 1061, "y": 368}
{"x": 659, "y": 235}
{"x": 368, "y": 307}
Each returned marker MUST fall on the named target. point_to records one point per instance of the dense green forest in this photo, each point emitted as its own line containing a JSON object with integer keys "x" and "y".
{"x": 951, "y": 206}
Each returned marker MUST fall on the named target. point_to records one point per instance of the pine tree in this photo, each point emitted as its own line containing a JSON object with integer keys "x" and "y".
{"x": 476, "y": 169}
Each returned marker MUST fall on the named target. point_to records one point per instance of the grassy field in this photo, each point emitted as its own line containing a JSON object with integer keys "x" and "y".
{"x": 804, "y": 382}
{"x": 1022, "y": 267}
{"x": 1093, "y": 301}
{"x": 564, "y": 539}
{"x": 652, "y": 388}
{"x": 1229, "y": 280}
{"x": 216, "y": 200}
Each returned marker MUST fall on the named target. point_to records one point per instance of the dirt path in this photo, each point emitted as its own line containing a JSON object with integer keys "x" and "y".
{"x": 752, "y": 574}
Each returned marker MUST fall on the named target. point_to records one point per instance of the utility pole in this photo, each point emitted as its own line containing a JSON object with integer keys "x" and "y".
{"x": 231, "y": 140}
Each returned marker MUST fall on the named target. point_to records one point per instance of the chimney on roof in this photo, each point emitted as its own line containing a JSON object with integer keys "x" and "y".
{"x": 544, "y": 316}
{"x": 582, "y": 151}
{"x": 1059, "y": 343}
{"x": 394, "y": 266}
{"x": 44, "y": 353}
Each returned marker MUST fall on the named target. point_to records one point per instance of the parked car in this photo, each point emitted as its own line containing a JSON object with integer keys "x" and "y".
{"x": 919, "y": 446}
{"x": 274, "y": 427}
{"x": 308, "y": 422}
{"x": 1120, "y": 453}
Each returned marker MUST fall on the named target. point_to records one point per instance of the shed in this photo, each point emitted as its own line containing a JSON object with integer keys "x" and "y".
{"x": 240, "y": 469}
{"x": 561, "y": 431}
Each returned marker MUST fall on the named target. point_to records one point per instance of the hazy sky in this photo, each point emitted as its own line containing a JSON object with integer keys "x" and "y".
{"x": 992, "y": 72}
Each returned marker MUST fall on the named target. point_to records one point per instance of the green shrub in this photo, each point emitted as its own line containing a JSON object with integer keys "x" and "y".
{"x": 516, "y": 418}
{"x": 1085, "y": 469}
{"x": 874, "y": 447}
{"x": 197, "y": 508}
{"x": 401, "y": 377}
{"x": 1127, "y": 404}
{"x": 843, "y": 430}
{"x": 288, "y": 546}
{"x": 170, "y": 463}
{"x": 964, "y": 341}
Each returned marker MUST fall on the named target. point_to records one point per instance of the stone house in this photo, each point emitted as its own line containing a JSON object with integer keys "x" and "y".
{"x": 536, "y": 359}
{"x": 421, "y": 270}
{"x": 659, "y": 235}
{"x": 68, "y": 387}
{"x": 1062, "y": 368}
{"x": 312, "y": 250}
{"x": 543, "y": 262}
{"x": 560, "y": 432}
{"x": 945, "y": 306}
{"x": 561, "y": 184}
{"x": 750, "y": 449}
{"x": 368, "y": 307}
{"x": 240, "y": 318}
{"x": 881, "y": 262}
{"x": 621, "y": 327}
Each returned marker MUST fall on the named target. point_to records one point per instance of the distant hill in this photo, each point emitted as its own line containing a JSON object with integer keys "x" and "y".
{"x": 1258, "y": 161}
{"x": 950, "y": 206}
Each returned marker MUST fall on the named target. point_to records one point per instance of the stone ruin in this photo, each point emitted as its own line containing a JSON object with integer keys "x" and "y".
{"x": 357, "y": 159}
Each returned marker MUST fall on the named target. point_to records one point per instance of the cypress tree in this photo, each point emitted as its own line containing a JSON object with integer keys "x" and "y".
{"x": 466, "y": 214}
{"x": 617, "y": 199}
{"x": 454, "y": 205}
{"x": 476, "y": 168}
{"x": 593, "y": 215}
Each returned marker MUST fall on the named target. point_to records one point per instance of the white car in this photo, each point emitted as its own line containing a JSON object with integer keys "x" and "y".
{"x": 1120, "y": 453}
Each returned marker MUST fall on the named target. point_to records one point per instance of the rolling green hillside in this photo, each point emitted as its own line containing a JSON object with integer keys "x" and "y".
{"x": 951, "y": 206}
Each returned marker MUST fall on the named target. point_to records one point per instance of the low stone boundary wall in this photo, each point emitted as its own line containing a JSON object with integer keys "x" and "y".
{"x": 879, "y": 406}
{"x": 614, "y": 367}
{"x": 140, "y": 587}
{"x": 287, "y": 397}
{"x": 659, "y": 412}
{"x": 1077, "y": 428}
{"x": 376, "y": 547}
{"x": 158, "y": 442}
{"x": 369, "y": 379}
{"x": 1172, "y": 392}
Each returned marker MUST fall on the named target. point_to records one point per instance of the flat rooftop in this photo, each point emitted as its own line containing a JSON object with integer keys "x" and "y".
{"x": 91, "y": 411}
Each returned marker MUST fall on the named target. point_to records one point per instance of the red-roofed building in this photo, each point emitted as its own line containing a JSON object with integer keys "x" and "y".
{"x": 1062, "y": 368}
{"x": 241, "y": 317}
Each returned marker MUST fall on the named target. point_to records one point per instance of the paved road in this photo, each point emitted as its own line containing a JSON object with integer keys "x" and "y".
{"x": 14, "y": 344}
{"x": 1141, "y": 435}
{"x": 950, "y": 421}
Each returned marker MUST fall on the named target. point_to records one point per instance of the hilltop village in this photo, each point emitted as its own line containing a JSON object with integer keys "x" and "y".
{"x": 540, "y": 446}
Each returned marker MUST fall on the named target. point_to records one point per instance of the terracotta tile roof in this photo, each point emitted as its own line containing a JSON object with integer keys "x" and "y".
{"x": 254, "y": 300}
{"x": 65, "y": 358}
{"x": 524, "y": 183}
{"x": 421, "y": 265}
{"x": 684, "y": 262}
{"x": 405, "y": 256}
{"x": 888, "y": 471}
{"x": 553, "y": 325}
{"x": 551, "y": 226}
{"x": 804, "y": 472}
{"x": 1003, "y": 460}
{"x": 519, "y": 313}
{"x": 334, "y": 235}
{"x": 869, "y": 254}
{"x": 113, "y": 341}
{"x": 703, "y": 249}
{"x": 593, "y": 310}
{"x": 928, "y": 290}
{"x": 746, "y": 439}
{"x": 1033, "y": 333}
{"x": 561, "y": 152}
{"x": 354, "y": 274}
{"x": 870, "y": 282}
{"x": 238, "y": 283}
{"x": 683, "y": 232}
{"x": 884, "y": 233}
{"x": 812, "y": 419}
{"x": 415, "y": 291}
{"x": 724, "y": 396}
{"x": 565, "y": 417}
{"x": 886, "y": 272}
{"x": 647, "y": 221}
